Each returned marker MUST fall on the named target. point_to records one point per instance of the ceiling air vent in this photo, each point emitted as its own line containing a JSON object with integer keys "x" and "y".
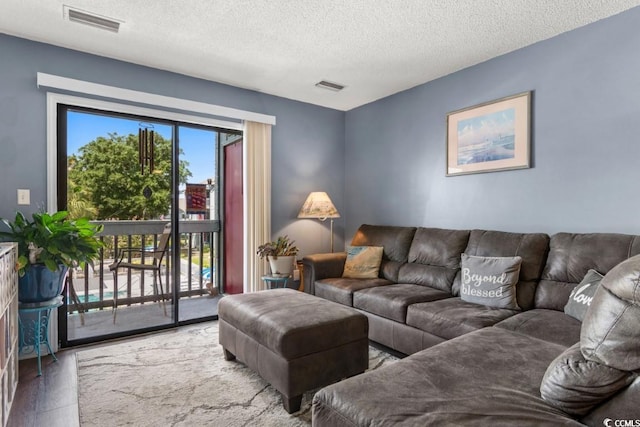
{"x": 94, "y": 20}
{"x": 329, "y": 85}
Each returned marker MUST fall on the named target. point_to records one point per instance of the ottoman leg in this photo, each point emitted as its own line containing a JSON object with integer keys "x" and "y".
{"x": 228, "y": 355}
{"x": 291, "y": 404}
{"x": 357, "y": 374}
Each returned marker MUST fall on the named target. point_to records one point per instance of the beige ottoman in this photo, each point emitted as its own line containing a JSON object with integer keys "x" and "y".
{"x": 295, "y": 341}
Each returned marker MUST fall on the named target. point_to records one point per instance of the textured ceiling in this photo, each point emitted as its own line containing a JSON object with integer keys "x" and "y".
{"x": 283, "y": 47}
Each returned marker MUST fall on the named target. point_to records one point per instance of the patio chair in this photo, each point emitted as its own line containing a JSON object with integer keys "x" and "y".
{"x": 157, "y": 255}
{"x": 73, "y": 296}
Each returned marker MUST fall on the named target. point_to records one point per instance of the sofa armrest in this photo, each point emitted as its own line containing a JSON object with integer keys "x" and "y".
{"x": 321, "y": 266}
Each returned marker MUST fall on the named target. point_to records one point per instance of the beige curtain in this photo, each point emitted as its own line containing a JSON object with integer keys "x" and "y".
{"x": 257, "y": 201}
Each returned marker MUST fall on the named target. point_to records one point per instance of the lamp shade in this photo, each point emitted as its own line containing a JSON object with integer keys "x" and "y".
{"x": 318, "y": 205}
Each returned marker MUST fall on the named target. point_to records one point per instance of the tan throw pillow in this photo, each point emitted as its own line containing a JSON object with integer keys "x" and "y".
{"x": 363, "y": 262}
{"x": 490, "y": 281}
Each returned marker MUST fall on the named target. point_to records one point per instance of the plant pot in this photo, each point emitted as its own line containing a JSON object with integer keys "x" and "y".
{"x": 282, "y": 265}
{"x": 41, "y": 284}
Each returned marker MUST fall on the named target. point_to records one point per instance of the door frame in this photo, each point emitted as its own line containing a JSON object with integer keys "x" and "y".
{"x": 54, "y": 101}
{"x": 222, "y": 196}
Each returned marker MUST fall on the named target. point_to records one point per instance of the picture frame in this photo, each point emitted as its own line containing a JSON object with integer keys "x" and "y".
{"x": 489, "y": 137}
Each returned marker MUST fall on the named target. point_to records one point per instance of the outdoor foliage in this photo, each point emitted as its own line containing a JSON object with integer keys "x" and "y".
{"x": 78, "y": 197}
{"x": 105, "y": 180}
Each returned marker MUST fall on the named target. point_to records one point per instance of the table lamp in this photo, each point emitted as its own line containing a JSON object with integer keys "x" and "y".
{"x": 319, "y": 205}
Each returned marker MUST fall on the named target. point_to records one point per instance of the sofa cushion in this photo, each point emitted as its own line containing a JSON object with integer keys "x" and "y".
{"x": 571, "y": 255}
{"x": 392, "y": 301}
{"x": 490, "y": 281}
{"x": 395, "y": 240}
{"x": 363, "y": 262}
{"x": 452, "y": 317}
{"x": 582, "y": 295}
{"x": 610, "y": 331}
{"x": 577, "y": 385}
{"x": 549, "y": 325}
{"x": 624, "y": 405}
{"x": 531, "y": 247}
{"x": 434, "y": 257}
{"x": 341, "y": 289}
{"x": 486, "y": 378}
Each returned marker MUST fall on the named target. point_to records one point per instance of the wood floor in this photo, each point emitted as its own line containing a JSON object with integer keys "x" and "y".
{"x": 50, "y": 400}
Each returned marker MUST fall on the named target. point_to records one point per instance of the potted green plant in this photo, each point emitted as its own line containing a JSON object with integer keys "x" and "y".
{"x": 47, "y": 246}
{"x": 280, "y": 254}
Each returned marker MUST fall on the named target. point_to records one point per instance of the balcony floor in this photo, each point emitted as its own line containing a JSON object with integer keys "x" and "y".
{"x": 140, "y": 316}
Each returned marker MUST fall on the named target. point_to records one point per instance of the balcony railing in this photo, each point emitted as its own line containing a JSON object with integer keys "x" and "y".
{"x": 97, "y": 288}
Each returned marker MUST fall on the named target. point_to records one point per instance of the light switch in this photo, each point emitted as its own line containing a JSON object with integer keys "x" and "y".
{"x": 24, "y": 196}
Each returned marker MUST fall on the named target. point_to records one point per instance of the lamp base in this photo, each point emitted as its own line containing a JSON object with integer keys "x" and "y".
{"x": 331, "y": 235}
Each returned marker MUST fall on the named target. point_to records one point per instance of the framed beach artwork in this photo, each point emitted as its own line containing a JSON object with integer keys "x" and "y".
{"x": 489, "y": 137}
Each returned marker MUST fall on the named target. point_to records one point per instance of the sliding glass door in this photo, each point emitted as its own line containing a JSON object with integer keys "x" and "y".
{"x": 200, "y": 223}
{"x": 153, "y": 184}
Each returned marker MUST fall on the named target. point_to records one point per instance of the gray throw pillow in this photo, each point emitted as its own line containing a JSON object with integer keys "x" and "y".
{"x": 582, "y": 294}
{"x": 576, "y": 385}
{"x": 610, "y": 331}
{"x": 490, "y": 281}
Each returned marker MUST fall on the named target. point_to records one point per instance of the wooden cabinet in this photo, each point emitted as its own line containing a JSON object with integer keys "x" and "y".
{"x": 8, "y": 326}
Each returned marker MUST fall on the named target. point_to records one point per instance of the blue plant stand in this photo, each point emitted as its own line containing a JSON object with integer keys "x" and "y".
{"x": 33, "y": 321}
{"x": 274, "y": 282}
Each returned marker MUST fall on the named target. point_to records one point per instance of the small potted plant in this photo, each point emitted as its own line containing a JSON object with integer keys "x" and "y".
{"x": 280, "y": 254}
{"x": 47, "y": 246}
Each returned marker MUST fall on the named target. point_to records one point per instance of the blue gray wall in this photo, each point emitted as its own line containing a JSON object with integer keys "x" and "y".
{"x": 384, "y": 163}
{"x": 585, "y": 142}
{"x": 308, "y": 141}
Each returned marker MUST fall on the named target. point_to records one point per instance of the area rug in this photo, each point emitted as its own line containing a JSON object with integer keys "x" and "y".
{"x": 180, "y": 378}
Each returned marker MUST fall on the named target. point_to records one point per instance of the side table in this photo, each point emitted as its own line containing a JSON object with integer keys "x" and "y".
{"x": 39, "y": 326}
{"x": 274, "y": 282}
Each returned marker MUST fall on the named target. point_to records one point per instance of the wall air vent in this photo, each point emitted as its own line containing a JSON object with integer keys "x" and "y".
{"x": 82, "y": 17}
{"x": 336, "y": 87}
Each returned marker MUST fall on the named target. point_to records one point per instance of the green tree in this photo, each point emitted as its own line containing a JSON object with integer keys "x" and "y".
{"x": 78, "y": 196}
{"x": 105, "y": 178}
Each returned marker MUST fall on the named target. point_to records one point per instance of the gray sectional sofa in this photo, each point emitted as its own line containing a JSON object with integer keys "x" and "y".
{"x": 469, "y": 364}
